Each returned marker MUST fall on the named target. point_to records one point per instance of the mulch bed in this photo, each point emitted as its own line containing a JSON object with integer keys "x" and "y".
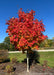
{"x": 20, "y": 69}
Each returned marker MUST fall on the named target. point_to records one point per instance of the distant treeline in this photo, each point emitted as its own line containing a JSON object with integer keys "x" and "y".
{"x": 6, "y": 45}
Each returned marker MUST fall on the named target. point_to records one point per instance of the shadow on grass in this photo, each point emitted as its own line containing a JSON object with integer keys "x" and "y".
{"x": 33, "y": 58}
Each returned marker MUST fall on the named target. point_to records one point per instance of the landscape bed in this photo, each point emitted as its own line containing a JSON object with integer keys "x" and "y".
{"x": 35, "y": 69}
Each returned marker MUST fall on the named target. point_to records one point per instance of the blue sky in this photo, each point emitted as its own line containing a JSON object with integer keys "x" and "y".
{"x": 44, "y": 10}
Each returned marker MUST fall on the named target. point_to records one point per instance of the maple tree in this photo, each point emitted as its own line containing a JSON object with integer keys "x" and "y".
{"x": 25, "y": 32}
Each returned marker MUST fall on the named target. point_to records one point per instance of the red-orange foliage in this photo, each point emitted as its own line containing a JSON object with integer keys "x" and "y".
{"x": 24, "y": 31}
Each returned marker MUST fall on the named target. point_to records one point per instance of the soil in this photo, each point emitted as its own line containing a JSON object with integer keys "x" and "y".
{"x": 20, "y": 69}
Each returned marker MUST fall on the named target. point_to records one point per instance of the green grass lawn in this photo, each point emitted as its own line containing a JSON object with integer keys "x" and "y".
{"x": 49, "y": 56}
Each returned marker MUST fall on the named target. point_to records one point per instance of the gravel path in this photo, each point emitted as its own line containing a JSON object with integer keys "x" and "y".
{"x": 36, "y": 50}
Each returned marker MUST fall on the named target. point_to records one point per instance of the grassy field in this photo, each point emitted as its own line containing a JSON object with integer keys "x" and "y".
{"x": 49, "y": 56}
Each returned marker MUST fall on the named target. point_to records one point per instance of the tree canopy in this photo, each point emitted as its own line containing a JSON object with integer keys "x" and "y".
{"x": 25, "y": 31}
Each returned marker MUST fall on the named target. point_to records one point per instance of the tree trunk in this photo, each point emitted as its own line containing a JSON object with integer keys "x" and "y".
{"x": 27, "y": 62}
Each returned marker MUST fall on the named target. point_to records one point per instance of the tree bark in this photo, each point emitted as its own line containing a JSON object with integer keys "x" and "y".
{"x": 27, "y": 61}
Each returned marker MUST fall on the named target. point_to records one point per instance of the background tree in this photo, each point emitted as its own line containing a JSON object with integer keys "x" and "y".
{"x": 10, "y": 47}
{"x": 53, "y": 42}
{"x": 3, "y": 46}
{"x": 50, "y": 42}
{"x": 6, "y": 45}
{"x": 7, "y": 42}
{"x": 25, "y": 32}
{"x": 47, "y": 43}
